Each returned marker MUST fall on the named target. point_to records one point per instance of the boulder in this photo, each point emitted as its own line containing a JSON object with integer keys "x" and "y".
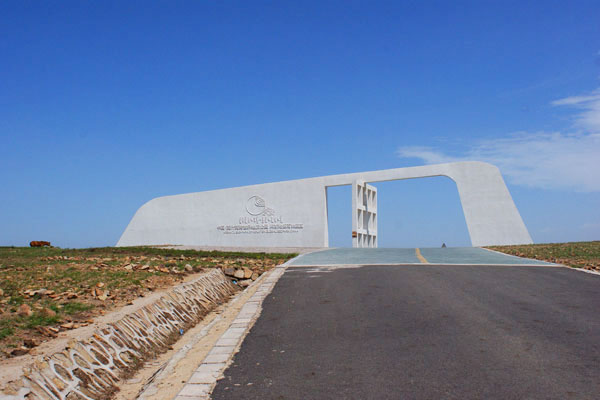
{"x": 229, "y": 271}
{"x": 19, "y": 351}
{"x": 239, "y": 273}
{"x": 247, "y": 273}
{"x": 245, "y": 283}
{"x": 39, "y": 243}
{"x": 254, "y": 276}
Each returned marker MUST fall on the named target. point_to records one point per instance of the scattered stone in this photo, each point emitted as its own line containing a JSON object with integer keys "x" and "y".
{"x": 229, "y": 271}
{"x": 30, "y": 343}
{"x": 247, "y": 272}
{"x": 239, "y": 273}
{"x": 188, "y": 268}
{"x": 254, "y": 276}
{"x": 25, "y": 311}
{"x": 100, "y": 284}
{"x": 49, "y": 377}
{"x": 1, "y": 292}
{"x": 245, "y": 283}
{"x": 101, "y": 294}
{"x": 47, "y": 331}
{"x": 31, "y": 292}
{"x": 129, "y": 267}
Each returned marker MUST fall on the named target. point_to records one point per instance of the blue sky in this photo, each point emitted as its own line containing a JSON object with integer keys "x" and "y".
{"x": 105, "y": 105}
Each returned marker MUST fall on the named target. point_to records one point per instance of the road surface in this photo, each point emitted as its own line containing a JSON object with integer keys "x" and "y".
{"x": 423, "y": 332}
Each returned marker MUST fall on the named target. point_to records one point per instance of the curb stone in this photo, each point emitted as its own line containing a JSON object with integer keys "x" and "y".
{"x": 204, "y": 379}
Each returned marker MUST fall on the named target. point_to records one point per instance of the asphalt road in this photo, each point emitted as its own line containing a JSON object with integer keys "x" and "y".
{"x": 423, "y": 332}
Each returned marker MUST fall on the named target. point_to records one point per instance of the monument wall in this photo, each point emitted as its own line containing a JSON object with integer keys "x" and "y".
{"x": 294, "y": 213}
{"x": 284, "y": 214}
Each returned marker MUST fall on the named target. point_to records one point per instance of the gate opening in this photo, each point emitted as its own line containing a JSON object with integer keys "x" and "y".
{"x": 339, "y": 215}
{"x": 423, "y": 212}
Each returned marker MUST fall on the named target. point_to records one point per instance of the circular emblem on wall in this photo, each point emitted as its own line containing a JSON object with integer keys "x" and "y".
{"x": 255, "y": 205}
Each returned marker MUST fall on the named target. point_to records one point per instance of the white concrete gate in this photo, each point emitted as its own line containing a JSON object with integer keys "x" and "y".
{"x": 364, "y": 214}
{"x": 294, "y": 213}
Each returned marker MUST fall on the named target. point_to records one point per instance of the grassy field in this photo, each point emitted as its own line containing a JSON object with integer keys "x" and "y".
{"x": 584, "y": 255}
{"x": 47, "y": 290}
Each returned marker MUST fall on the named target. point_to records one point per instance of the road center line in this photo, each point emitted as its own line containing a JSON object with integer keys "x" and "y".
{"x": 420, "y": 256}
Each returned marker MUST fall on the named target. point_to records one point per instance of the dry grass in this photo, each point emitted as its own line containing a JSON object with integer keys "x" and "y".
{"x": 46, "y": 290}
{"x": 584, "y": 255}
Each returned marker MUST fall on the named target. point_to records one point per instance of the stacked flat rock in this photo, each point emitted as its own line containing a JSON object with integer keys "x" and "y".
{"x": 244, "y": 275}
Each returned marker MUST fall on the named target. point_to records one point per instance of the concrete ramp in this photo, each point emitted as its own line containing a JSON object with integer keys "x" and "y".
{"x": 382, "y": 256}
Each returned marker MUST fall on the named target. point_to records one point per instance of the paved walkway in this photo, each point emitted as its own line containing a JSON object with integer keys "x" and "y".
{"x": 421, "y": 332}
{"x": 449, "y": 255}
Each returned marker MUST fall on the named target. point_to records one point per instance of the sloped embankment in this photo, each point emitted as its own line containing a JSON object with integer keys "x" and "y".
{"x": 91, "y": 368}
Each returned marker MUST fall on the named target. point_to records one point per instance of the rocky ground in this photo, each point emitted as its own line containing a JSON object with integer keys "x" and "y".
{"x": 44, "y": 291}
{"x": 584, "y": 255}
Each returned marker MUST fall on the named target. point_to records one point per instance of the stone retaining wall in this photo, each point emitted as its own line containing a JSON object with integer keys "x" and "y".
{"x": 91, "y": 368}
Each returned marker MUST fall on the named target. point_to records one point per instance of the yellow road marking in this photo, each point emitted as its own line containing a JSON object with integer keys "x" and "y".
{"x": 420, "y": 256}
